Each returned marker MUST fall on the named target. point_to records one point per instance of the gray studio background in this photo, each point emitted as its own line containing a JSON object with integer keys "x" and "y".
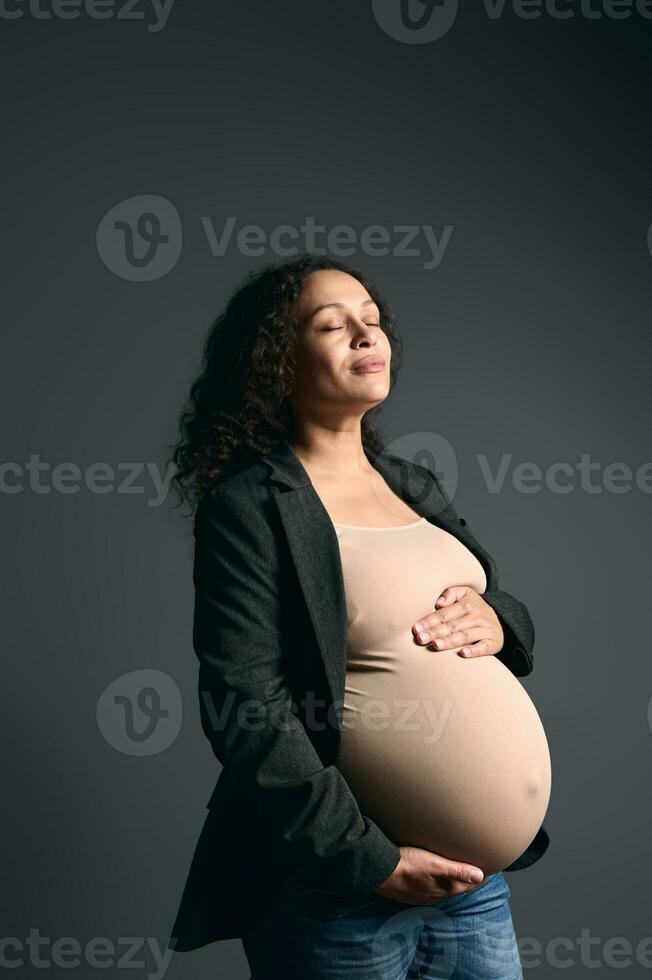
{"x": 528, "y": 341}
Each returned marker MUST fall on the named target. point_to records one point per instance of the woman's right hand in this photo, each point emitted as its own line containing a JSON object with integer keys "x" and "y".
{"x": 422, "y": 877}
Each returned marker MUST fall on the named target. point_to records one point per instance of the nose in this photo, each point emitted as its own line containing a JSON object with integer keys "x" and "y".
{"x": 365, "y": 335}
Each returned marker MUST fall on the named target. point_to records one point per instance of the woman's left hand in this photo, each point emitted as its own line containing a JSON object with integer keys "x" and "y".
{"x": 476, "y": 627}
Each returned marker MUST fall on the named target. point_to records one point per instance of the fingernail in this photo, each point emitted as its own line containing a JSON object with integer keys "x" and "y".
{"x": 424, "y": 637}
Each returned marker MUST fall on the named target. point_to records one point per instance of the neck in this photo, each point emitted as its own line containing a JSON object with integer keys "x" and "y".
{"x": 331, "y": 452}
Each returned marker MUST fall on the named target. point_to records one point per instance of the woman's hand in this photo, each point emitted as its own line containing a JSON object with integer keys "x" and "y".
{"x": 476, "y": 627}
{"x": 422, "y": 877}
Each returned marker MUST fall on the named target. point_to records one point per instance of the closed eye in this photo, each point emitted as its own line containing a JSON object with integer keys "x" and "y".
{"x": 341, "y": 327}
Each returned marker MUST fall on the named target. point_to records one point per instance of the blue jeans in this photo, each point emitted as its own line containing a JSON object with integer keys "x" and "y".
{"x": 467, "y": 937}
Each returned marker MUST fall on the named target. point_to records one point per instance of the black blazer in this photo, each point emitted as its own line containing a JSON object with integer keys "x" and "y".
{"x": 270, "y": 633}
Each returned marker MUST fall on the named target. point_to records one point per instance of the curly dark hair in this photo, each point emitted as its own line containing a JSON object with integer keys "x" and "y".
{"x": 236, "y": 409}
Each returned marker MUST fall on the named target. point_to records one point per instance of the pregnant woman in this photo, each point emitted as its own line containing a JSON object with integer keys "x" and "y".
{"x": 382, "y": 765}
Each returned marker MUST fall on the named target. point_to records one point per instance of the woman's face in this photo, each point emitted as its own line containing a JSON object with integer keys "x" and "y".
{"x": 338, "y": 326}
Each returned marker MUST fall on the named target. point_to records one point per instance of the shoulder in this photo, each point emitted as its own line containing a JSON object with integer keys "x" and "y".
{"x": 410, "y": 470}
{"x": 249, "y": 481}
{"x": 419, "y": 482}
{"x": 406, "y": 465}
{"x": 240, "y": 498}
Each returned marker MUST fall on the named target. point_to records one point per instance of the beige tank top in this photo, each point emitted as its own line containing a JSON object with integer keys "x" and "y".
{"x": 443, "y": 752}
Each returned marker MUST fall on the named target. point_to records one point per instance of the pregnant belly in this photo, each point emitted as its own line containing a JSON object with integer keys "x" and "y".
{"x": 447, "y": 754}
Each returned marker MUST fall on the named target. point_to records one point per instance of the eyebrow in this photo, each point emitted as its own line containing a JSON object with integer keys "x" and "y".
{"x": 339, "y": 306}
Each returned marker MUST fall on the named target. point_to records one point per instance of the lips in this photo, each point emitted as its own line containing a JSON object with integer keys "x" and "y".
{"x": 371, "y": 363}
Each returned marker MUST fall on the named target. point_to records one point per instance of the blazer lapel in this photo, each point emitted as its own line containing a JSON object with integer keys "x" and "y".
{"x": 315, "y": 550}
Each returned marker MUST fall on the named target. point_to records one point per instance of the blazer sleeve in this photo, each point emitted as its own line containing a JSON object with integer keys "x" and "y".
{"x": 246, "y": 707}
{"x": 518, "y": 628}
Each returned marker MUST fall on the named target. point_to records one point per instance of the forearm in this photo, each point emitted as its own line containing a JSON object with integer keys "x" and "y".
{"x": 308, "y": 808}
